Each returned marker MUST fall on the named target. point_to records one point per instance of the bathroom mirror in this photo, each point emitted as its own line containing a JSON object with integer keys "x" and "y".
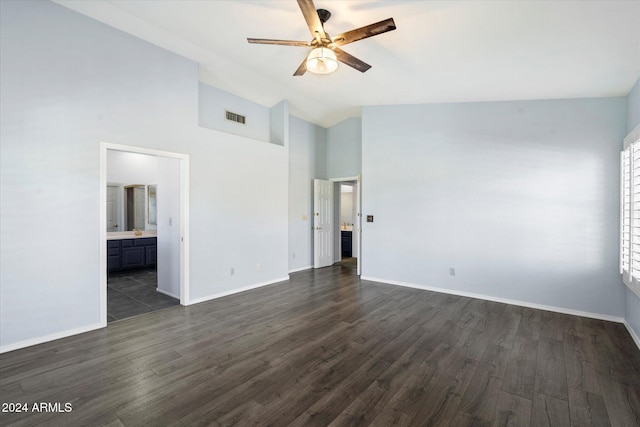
{"x": 131, "y": 206}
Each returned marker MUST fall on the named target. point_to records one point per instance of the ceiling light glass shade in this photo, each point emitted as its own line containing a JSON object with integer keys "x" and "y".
{"x": 322, "y": 61}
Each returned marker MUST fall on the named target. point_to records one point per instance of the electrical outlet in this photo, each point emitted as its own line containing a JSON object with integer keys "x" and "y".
{"x": 232, "y": 271}
{"x": 258, "y": 266}
{"x": 294, "y": 255}
{"x": 452, "y": 271}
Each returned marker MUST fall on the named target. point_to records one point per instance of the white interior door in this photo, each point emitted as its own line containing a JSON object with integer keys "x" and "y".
{"x": 112, "y": 208}
{"x": 322, "y": 223}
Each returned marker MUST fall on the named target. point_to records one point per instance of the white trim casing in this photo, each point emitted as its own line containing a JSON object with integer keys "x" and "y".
{"x": 102, "y": 218}
{"x": 184, "y": 230}
{"x": 184, "y": 218}
{"x": 633, "y": 136}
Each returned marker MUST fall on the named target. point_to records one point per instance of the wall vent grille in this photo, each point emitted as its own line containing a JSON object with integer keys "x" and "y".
{"x": 235, "y": 117}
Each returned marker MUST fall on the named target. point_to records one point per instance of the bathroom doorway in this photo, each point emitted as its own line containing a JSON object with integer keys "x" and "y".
{"x": 149, "y": 269}
{"x": 347, "y": 220}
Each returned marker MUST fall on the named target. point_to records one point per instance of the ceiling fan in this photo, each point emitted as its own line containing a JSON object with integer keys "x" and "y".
{"x": 325, "y": 53}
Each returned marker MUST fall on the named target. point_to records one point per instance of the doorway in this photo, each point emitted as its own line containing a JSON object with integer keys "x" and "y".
{"x": 171, "y": 232}
{"x": 348, "y": 224}
{"x": 346, "y": 209}
{"x": 331, "y": 234}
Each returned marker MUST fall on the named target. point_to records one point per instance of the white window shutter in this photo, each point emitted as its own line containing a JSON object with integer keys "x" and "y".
{"x": 635, "y": 211}
{"x": 625, "y": 211}
{"x": 630, "y": 211}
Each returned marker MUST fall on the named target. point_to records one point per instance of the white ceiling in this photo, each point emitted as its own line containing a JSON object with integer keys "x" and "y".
{"x": 442, "y": 51}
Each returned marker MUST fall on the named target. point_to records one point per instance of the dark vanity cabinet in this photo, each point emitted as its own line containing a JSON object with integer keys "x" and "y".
{"x": 131, "y": 253}
{"x": 151, "y": 253}
{"x": 346, "y": 243}
{"x": 114, "y": 257}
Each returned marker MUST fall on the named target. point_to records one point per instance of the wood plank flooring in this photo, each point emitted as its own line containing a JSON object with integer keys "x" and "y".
{"x": 326, "y": 349}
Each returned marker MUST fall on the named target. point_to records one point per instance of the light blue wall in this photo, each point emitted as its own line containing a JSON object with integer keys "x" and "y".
{"x": 212, "y": 104}
{"x": 69, "y": 82}
{"x": 521, "y": 198}
{"x": 305, "y": 141}
{"x": 316, "y": 152}
{"x": 320, "y": 156}
{"x": 633, "y": 107}
{"x": 279, "y": 123}
{"x": 633, "y": 120}
{"x": 168, "y": 219}
{"x": 344, "y": 149}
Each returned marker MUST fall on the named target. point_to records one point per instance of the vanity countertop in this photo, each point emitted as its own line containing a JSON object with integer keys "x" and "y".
{"x": 120, "y": 235}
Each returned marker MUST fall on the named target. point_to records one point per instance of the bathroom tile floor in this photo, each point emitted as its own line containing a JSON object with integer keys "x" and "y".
{"x": 131, "y": 293}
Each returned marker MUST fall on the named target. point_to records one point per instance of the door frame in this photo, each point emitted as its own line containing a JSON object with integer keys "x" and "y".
{"x": 184, "y": 218}
{"x": 358, "y": 219}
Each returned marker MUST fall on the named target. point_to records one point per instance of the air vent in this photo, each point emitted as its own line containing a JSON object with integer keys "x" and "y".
{"x": 235, "y": 117}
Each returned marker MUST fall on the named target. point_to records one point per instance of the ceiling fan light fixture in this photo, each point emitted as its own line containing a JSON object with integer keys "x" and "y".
{"x": 322, "y": 60}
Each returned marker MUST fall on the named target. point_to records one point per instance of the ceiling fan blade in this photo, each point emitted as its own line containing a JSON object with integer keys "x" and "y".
{"x": 279, "y": 42}
{"x": 351, "y": 61}
{"x": 364, "y": 32}
{"x": 302, "y": 68}
{"x": 313, "y": 20}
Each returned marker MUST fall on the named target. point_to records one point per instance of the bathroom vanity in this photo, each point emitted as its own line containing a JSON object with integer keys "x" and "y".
{"x": 346, "y": 237}
{"x": 125, "y": 250}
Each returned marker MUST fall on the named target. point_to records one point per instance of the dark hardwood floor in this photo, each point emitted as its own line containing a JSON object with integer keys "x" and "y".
{"x": 328, "y": 349}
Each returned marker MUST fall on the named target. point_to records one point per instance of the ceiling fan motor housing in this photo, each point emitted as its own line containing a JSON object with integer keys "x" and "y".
{"x": 326, "y": 50}
{"x": 324, "y": 15}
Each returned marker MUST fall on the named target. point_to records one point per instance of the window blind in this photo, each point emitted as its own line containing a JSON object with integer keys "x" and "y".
{"x": 625, "y": 210}
{"x": 630, "y": 211}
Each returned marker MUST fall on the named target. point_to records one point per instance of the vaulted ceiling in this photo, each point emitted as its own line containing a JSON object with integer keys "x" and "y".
{"x": 442, "y": 51}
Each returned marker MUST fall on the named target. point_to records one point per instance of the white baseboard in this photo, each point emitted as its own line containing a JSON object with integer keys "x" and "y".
{"x": 501, "y": 300}
{"x": 235, "y": 291}
{"x": 632, "y": 333}
{"x": 68, "y": 333}
{"x": 308, "y": 267}
{"x": 162, "y": 291}
{"x": 51, "y": 337}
